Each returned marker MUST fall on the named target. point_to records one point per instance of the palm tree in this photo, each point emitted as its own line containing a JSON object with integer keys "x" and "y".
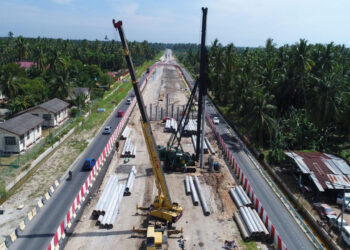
{"x": 259, "y": 115}
{"x": 40, "y": 57}
{"x": 21, "y": 47}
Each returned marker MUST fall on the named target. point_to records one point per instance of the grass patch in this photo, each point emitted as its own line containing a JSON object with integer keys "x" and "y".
{"x": 250, "y": 245}
{"x": 96, "y": 119}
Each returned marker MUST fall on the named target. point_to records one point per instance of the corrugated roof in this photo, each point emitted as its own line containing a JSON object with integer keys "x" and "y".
{"x": 327, "y": 171}
{"x": 54, "y": 105}
{"x": 21, "y": 124}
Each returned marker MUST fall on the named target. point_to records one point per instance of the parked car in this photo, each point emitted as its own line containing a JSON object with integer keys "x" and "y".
{"x": 120, "y": 113}
{"x": 107, "y": 130}
{"x": 345, "y": 234}
{"x": 331, "y": 218}
{"x": 324, "y": 210}
{"x": 128, "y": 101}
{"x": 89, "y": 163}
{"x": 216, "y": 120}
{"x": 346, "y": 201}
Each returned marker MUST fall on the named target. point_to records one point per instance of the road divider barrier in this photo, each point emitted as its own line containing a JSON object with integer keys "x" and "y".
{"x": 84, "y": 190}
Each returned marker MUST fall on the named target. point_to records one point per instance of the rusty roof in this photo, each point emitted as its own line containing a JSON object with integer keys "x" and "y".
{"x": 327, "y": 171}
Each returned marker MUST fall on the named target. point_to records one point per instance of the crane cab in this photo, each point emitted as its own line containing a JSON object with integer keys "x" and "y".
{"x": 154, "y": 239}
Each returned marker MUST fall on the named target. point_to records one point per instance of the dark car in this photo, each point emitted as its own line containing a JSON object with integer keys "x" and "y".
{"x": 324, "y": 209}
{"x": 89, "y": 163}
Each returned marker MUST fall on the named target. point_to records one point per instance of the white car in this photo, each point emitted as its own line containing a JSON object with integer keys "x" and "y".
{"x": 107, "y": 130}
{"x": 216, "y": 120}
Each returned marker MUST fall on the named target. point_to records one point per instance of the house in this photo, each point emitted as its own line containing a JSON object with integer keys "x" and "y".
{"x": 79, "y": 91}
{"x": 3, "y": 98}
{"x": 4, "y": 113}
{"x": 20, "y": 133}
{"x": 324, "y": 173}
{"x": 54, "y": 112}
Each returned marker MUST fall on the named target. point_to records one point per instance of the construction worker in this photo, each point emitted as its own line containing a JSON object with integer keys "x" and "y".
{"x": 117, "y": 145}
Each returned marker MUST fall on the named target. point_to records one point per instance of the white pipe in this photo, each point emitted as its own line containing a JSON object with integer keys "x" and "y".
{"x": 111, "y": 204}
{"x": 193, "y": 192}
{"x": 116, "y": 208}
{"x": 187, "y": 185}
{"x": 107, "y": 199}
{"x": 105, "y": 192}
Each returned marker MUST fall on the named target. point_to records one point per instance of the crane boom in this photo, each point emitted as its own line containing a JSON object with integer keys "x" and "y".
{"x": 163, "y": 207}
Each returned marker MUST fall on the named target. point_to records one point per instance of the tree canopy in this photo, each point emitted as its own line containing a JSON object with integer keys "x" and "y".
{"x": 292, "y": 97}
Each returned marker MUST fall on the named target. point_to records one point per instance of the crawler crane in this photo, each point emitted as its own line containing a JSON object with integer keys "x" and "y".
{"x": 163, "y": 212}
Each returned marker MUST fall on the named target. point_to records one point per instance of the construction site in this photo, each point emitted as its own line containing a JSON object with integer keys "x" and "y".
{"x": 165, "y": 171}
{"x": 200, "y": 230}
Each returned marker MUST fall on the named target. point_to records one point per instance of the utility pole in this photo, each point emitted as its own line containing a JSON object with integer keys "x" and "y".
{"x": 203, "y": 79}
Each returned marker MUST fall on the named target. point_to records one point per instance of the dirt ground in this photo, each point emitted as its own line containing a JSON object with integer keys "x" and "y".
{"x": 200, "y": 231}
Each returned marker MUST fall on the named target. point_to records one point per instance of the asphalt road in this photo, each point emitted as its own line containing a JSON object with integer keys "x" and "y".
{"x": 286, "y": 226}
{"x": 39, "y": 232}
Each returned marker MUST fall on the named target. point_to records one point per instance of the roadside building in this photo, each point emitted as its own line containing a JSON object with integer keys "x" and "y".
{"x": 3, "y": 98}
{"x": 20, "y": 133}
{"x": 324, "y": 174}
{"x": 79, "y": 91}
{"x": 54, "y": 112}
{"x": 4, "y": 113}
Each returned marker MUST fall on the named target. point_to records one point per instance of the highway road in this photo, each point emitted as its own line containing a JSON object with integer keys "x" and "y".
{"x": 290, "y": 232}
{"x": 39, "y": 232}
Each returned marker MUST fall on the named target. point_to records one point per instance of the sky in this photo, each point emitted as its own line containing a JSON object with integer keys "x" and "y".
{"x": 241, "y": 22}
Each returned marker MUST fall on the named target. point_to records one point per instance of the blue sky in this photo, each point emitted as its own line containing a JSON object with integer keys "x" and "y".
{"x": 242, "y": 22}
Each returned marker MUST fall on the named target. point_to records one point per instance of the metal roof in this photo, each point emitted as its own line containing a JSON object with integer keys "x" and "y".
{"x": 21, "y": 124}
{"x": 54, "y": 105}
{"x": 326, "y": 171}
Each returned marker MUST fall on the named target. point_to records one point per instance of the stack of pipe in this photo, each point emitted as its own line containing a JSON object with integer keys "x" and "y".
{"x": 201, "y": 196}
{"x": 108, "y": 218}
{"x": 250, "y": 225}
{"x": 240, "y": 197}
{"x": 125, "y": 133}
{"x": 170, "y": 125}
{"x": 102, "y": 203}
{"x": 130, "y": 181}
{"x": 190, "y": 128}
{"x": 194, "y": 143}
{"x": 129, "y": 150}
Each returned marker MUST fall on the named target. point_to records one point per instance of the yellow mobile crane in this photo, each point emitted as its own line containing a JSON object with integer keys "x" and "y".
{"x": 163, "y": 210}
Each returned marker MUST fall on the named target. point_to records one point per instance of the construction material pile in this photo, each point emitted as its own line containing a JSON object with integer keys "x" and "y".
{"x": 107, "y": 207}
{"x": 250, "y": 225}
{"x": 248, "y": 220}
{"x": 190, "y": 128}
{"x": 193, "y": 187}
{"x": 130, "y": 181}
{"x": 194, "y": 143}
{"x": 129, "y": 149}
{"x": 240, "y": 197}
{"x": 125, "y": 133}
{"x": 170, "y": 125}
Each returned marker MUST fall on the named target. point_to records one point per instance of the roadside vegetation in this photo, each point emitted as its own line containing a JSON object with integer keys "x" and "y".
{"x": 295, "y": 97}
{"x": 61, "y": 65}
